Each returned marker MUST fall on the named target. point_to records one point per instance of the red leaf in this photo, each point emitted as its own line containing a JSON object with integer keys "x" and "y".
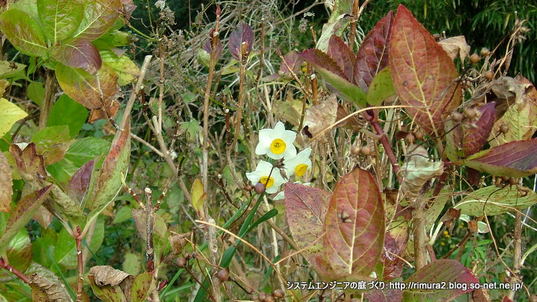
{"x": 386, "y": 295}
{"x": 6, "y": 184}
{"x": 305, "y": 209}
{"x": 318, "y": 58}
{"x": 514, "y": 159}
{"x": 243, "y": 34}
{"x": 476, "y": 137}
{"x": 78, "y": 185}
{"x": 79, "y": 54}
{"x": 373, "y": 53}
{"x": 355, "y": 224}
{"x": 342, "y": 55}
{"x": 424, "y": 76}
{"x": 440, "y": 271}
{"x": 291, "y": 62}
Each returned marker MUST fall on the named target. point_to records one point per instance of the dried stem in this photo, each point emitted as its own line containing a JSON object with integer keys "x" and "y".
{"x": 14, "y": 271}
{"x": 419, "y": 236}
{"x": 135, "y": 91}
{"x": 517, "y": 254}
{"x": 352, "y": 34}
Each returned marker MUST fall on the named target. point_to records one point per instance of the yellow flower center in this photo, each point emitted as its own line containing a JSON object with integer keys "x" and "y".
{"x": 301, "y": 169}
{"x": 267, "y": 181}
{"x": 277, "y": 146}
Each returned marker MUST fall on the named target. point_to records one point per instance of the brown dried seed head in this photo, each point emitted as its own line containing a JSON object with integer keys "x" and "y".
{"x": 366, "y": 150}
{"x": 489, "y": 75}
{"x": 181, "y": 262}
{"x": 485, "y": 52}
{"x": 457, "y": 116}
{"x": 278, "y": 293}
{"x": 356, "y": 150}
{"x": 223, "y": 275}
{"x": 475, "y": 58}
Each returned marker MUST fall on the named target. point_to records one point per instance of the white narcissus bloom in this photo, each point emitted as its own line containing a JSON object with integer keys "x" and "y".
{"x": 276, "y": 143}
{"x": 299, "y": 164}
{"x": 262, "y": 174}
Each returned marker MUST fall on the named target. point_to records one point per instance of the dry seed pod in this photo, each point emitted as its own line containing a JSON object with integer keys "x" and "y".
{"x": 278, "y": 294}
{"x": 223, "y": 275}
{"x": 181, "y": 262}
{"x": 365, "y": 150}
{"x": 259, "y": 188}
{"x": 356, "y": 150}
{"x": 457, "y": 116}
{"x": 489, "y": 75}
{"x": 475, "y": 58}
{"x": 485, "y": 52}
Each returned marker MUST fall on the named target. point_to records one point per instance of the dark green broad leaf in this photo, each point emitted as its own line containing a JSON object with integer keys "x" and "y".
{"x": 380, "y": 88}
{"x": 80, "y": 152}
{"x": 22, "y": 213}
{"x": 79, "y": 53}
{"x": 437, "y": 273}
{"x": 23, "y": 32}
{"x": 36, "y": 92}
{"x": 66, "y": 111}
{"x": 113, "y": 39}
{"x": 60, "y": 18}
{"x": 99, "y": 17}
{"x": 514, "y": 159}
{"x": 492, "y": 200}
{"x": 107, "y": 181}
{"x": 334, "y": 76}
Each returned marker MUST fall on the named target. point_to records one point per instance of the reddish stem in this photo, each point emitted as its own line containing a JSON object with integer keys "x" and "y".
{"x": 371, "y": 117}
{"x": 20, "y": 275}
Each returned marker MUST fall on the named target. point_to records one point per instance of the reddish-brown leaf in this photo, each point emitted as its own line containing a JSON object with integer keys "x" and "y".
{"x": 514, "y": 159}
{"x": 355, "y": 226}
{"x": 92, "y": 91}
{"x": 78, "y": 54}
{"x": 99, "y": 17}
{"x": 6, "y": 189}
{"x": 291, "y": 62}
{"x": 385, "y": 295}
{"x": 305, "y": 211}
{"x": 21, "y": 214}
{"x": 243, "y": 34}
{"x": 78, "y": 185}
{"x": 318, "y": 58}
{"x": 424, "y": 76}
{"x": 476, "y": 136}
{"x": 342, "y": 55}
{"x": 30, "y": 164}
{"x": 373, "y": 53}
{"x": 440, "y": 271}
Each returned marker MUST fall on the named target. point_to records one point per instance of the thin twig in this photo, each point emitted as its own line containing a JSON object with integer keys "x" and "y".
{"x": 77, "y": 235}
{"x": 14, "y": 271}
{"x": 135, "y": 91}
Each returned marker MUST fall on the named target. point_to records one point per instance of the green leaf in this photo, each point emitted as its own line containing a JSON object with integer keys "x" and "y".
{"x": 9, "y": 114}
{"x": 66, "y": 111}
{"x": 80, "y": 152}
{"x": 60, "y": 18}
{"x": 126, "y": 69}
{"x": 380, "y": 88}
{"x": 36, "y": 92}
{"x": 113, "y": 39}
{"x": 122, "y": 215}
{"x": 10, "y": 69}
{"x": 107, "y": 182}
{"x": 132, "y": 264}
{"x": 99, "y": 17}
{"x": 141, "y": 287}
{"x": 23, "y": 32}
{"x": 19, "y": 251}
{"x": 268, "y": 215}
{"x": 52, "y": 142}
{"x": 22, "y": 214}
{"x": 492, "y": 201}
{"x": 198, "y": 195}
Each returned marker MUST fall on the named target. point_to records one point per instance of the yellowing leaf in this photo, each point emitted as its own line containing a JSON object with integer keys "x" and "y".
{"x": 9, "y": 114}
{"x": 418, "y": 170}
{"x": 198, "y": 195}
{"x": 6, "y": 190}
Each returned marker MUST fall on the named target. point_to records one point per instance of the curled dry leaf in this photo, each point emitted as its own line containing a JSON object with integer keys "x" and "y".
{"x": 46, "y": 286}
{"x": 520, "y": 117}
{"x": 320, "y": 117}
{"x": 424, "y": 76}
{"x": 418, "y": 170}
{"x": 106, "y": 275}
{"x": 456, "y": 47}
{"x": 6, "y": 189}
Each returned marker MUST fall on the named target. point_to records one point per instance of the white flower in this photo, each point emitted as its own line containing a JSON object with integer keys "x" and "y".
{"x": 277, "y": 143}
{"x": 299, "y": 164}
{"x": 262, "y": 174}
